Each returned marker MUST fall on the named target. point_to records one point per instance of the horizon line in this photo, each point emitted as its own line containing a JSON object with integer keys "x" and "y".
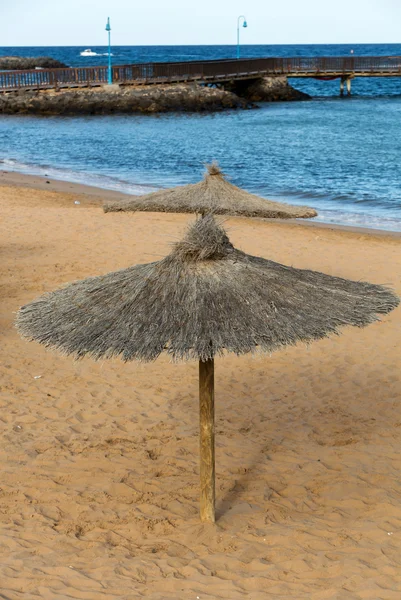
{"x": 208, "y": 45}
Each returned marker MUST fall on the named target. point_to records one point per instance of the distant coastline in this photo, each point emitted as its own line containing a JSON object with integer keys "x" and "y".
{"x": 8, "y": 63}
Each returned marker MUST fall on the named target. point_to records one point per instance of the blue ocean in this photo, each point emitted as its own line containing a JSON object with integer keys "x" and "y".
{"x": 339, "y": 155}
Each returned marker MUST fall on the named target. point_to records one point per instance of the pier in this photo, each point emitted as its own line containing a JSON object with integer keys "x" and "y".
{"x": 206, "y": 72}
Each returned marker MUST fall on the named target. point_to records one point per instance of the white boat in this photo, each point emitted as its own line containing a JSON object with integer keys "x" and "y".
{"x": 88, "y": 52}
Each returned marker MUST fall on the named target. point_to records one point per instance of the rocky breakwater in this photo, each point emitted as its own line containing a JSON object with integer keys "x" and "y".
{"x": 127, "y": 99}
{"x": 19, "y": 63}
{"x": 267, "y": 89}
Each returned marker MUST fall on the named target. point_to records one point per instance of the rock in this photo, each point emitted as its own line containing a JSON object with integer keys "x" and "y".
{"x": 19, "y": 63}
{"x": 267, "y": 89}
{"x": 127, "y": 99}
{"x": 111, "y": 87}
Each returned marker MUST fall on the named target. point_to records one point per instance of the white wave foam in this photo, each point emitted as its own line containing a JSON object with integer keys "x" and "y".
{"x": 360, "y": 219}
{"x": 9, "y": 161}
{"x": 329, "y": 213}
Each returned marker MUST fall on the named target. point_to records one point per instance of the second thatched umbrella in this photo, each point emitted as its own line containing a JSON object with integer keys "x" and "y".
{"x": 213, "y": 194}
{"x": 204, "y": 298}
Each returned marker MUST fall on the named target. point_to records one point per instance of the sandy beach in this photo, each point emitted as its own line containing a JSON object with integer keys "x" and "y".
{"x": 99, "y": 461}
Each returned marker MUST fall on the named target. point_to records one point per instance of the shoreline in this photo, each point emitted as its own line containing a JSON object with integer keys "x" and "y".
{"x": 95, "y": 195}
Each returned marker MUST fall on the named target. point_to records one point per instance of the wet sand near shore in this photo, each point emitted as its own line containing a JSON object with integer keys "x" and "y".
{"x": 91, "y": 195}
{"x": 99, "y": 461}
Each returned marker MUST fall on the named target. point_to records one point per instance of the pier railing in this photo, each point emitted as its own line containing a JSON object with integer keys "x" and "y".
{"x": 204, "y": 71}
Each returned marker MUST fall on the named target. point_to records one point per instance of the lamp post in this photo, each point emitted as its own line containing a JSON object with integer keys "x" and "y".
{"x": 109, "y": 73}
{"x": 244, "y": 24}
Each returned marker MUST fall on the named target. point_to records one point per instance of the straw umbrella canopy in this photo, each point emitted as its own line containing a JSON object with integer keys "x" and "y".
{"x": 204, "y": 299}
{"x": 213, "y": 194}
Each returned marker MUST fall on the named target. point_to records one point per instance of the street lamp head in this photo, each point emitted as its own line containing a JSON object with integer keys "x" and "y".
{"x": 108, "y": 28}
{"x": 245, "y": 24}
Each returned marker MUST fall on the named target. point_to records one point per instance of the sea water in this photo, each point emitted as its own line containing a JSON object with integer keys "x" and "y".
{"x": 339, "y": 155}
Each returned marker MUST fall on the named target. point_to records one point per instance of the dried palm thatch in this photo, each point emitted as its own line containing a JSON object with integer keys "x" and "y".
{"x": 203, "y": 299}
{"x": 213, "y": 194}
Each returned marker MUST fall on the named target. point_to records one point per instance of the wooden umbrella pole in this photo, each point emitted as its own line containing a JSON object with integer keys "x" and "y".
{"x": 206, "y": 413}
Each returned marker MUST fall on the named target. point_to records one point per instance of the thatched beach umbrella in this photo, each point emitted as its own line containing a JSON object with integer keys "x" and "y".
{"x": 205, "y": 298}
{"x": 213, "y": 194}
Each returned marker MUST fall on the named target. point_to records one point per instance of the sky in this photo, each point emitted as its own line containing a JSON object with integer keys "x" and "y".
{"x": 182, "y": 22}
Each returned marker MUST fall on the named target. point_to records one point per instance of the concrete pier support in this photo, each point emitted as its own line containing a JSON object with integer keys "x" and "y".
{"x": 347, "y": 81}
